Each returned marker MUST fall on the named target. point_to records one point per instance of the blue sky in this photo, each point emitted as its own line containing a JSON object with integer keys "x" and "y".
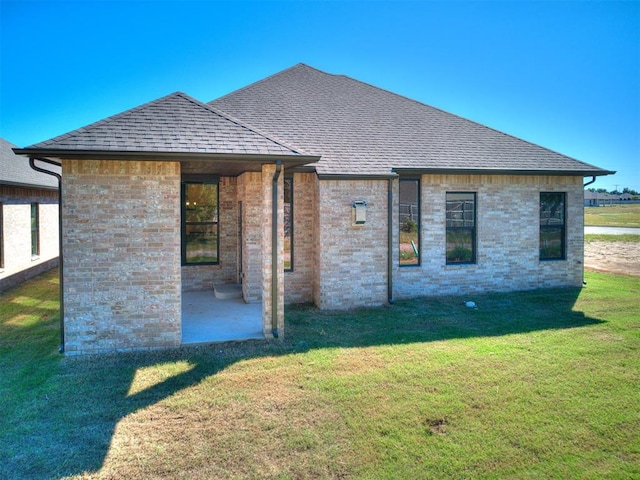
{"x": 565, "y": 75}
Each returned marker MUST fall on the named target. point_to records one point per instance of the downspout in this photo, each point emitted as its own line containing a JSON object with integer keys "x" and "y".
{"x": 274, "y": 250}
{"x": 593, "y": 179}
{"x": 390, "y": 242}
{"x": 32, "y": 164}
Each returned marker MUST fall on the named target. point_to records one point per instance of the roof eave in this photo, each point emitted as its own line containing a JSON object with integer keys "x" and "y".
{"x": 497, "y": 171}
{"x": 57, "y": 155}
{"x": 356, "y": 176}
{"x": 7, "y": 183}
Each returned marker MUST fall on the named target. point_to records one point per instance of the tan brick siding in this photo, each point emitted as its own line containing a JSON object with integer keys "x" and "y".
{"x": 268, "y": 267}
{"x": 250, "y": 194}
{"x": 121, "y": 227}
{"x": 299, "y": 282}
{"x": 352, "y": 260}
{"x": 507, "y": 237}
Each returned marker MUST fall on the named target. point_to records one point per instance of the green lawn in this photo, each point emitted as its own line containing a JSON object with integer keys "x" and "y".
{"x": 541, "y": 384}
{"x": 613, "y": 216}
{"x": 602, "y": 237}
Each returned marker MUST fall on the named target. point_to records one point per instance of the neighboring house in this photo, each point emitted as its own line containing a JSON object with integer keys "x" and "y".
{"x": 598, "y": 199}
{"x": 28, "y": 219}
{"x": 389, "y": 198}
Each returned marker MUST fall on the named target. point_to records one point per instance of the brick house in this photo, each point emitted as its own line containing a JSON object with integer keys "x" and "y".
{"x": 28, "y": 219}
{"x": 302, "y": 187}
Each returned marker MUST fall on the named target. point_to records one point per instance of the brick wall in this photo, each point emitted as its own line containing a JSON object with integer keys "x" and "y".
{"x": 352, "y": 260}
{"x": 507, "y": 237}
{"x": 250, "y": 194}
{"x": 19, "y": 264}
{"x": 121, "y": 227}
{"x": 299, "y": 282}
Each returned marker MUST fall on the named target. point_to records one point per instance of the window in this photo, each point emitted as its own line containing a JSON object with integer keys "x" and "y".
{"x": 200, "y": 222}
{"x": 409, "y": 221}
{"x": 35, "y": 226}
{"x": 461, "y": 227}
{"x": 288, "y": 224}
{"x": 552, "y": 226}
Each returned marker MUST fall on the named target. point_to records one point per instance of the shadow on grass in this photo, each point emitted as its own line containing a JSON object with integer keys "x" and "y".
{"x": 65, "y": 425}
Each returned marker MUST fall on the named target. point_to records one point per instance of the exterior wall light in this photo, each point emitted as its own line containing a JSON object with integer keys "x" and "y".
{"x": 359, "y": 212}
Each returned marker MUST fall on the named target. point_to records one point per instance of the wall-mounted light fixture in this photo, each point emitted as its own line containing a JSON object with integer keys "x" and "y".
{"x": 359, "y": 212}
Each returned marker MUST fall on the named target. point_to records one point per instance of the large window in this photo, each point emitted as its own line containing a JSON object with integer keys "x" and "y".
{"x": 461, "y": 227}
{"x": 552, "y": 226}
{"x": 200, "y": 222}
{"x": 35, "y": 227}
{"x": 409, "y": 216}
{"x": 288, "y": 223}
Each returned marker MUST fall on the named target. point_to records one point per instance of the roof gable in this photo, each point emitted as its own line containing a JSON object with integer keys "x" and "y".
{"x": 357, "y": 128}
{"x": 176, "y": 124}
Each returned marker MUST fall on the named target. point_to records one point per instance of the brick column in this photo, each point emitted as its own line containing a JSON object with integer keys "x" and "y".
{"x": 268, "y": 172}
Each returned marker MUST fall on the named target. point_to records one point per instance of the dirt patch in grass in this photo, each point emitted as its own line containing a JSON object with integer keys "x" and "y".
{"x": 613, "y": 257}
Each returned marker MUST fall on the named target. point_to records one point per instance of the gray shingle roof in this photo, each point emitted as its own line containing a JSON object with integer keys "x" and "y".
{"x": 361, "y": 129}
{"x": 176, "y": 123}
{"x": 15, "y": 170}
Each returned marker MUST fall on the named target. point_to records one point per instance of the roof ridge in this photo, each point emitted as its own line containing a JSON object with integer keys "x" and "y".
{"x": 4, "y": 140}
{"x": 257, "y": 82}
{"x": 105, "y": 120}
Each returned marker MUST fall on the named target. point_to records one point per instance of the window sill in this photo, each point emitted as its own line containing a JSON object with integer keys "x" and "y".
{"x": 35, "y": 258}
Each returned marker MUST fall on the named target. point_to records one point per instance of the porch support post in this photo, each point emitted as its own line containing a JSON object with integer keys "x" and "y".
{"x": 271, "y": 272}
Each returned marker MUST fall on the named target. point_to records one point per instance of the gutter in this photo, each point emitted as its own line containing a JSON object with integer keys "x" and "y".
{"x": 593, "y": 179}
{"x": 257, "y": 158}
{"x": 390, "y": 242}
{"x": 274, "y": 250}
{"x": 500, "y": 171}
{"x": 60, "y": 256}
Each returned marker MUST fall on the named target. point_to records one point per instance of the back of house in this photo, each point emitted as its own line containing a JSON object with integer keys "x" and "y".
{"x": 302, "y": 187}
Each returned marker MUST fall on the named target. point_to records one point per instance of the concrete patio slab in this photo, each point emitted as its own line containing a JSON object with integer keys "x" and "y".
{"x": 207, "y": 319}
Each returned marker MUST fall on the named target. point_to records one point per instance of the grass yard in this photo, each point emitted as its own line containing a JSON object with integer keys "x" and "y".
{"x": 542, "y": 384}
{"x": 603, "y": 237}
{"x": 613, "y": 216}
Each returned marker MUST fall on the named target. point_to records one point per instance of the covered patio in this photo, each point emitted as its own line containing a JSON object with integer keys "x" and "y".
{"x": 207, "y": 319}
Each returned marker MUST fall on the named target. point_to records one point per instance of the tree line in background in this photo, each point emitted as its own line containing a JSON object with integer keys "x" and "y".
{"x": 625, "y": 190}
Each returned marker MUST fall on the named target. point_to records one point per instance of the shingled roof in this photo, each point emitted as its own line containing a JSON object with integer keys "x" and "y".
{"x": 15, "y": 170}
{"x": 359, "y": 129}
{"x": 175, "y": 124}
